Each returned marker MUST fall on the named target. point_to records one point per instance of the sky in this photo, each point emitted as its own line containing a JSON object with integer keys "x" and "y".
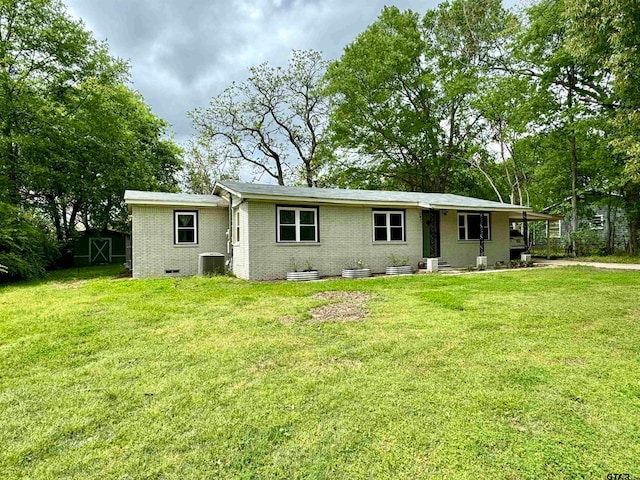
{"x": 184, "y": 52}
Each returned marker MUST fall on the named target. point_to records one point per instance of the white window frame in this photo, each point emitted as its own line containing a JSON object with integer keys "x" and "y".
{"x": 465, "y": 215}
{"x": 177, "y": 227}
{"x": 388, "y": 214}
{"x": 297, "y": 210}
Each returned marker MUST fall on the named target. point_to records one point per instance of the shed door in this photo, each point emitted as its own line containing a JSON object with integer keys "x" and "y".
{"x": 99, "y": 250}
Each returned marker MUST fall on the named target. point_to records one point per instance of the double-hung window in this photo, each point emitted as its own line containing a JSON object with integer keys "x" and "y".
{"x": 469, "y": 226}
{"x": 388, "y": 226}
{"x": 185, "y": 227}
{"x": 297, "y": 224}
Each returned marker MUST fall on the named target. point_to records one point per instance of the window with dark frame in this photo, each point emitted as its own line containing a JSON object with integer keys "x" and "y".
{"x": 297, "y": 224}
{"x": 469, "y": 226}
{"x": 237, "y": 225}
{"x": 186, "y": 227}
{"x": 388, "y": 226}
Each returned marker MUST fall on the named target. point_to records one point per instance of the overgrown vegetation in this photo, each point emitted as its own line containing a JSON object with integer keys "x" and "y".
{"x": 26, "y": 248}
{"x": 523, "y": 374}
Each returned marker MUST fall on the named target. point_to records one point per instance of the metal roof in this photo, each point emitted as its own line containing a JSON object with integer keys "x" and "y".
{"x": 378, "y": 197}
{"x": 138, "y": 197}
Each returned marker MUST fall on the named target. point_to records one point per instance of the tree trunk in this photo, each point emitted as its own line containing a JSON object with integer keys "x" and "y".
{"x": 574, "y": 164}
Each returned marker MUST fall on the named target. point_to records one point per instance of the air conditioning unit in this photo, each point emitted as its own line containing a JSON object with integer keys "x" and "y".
{"x": 211, "y": 263}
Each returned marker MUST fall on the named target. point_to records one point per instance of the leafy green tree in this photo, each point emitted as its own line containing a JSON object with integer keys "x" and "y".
{"x": 272, "y": 122}
{"x": 607, "y": 34}
{"x": 574, "y": 91}
{"x": 26, "y": 247}
{"x": 43, "y": 53}
{"x": 404, "y": 91}
{"x": 73, "y": 136}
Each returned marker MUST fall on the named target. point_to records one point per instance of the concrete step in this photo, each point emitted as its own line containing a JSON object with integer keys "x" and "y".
{"x": 443, "y": 265}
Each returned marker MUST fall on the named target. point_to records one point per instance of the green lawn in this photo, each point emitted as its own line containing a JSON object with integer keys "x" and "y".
{"x": 610, "y": 259}
{"x": 521, "y": 374}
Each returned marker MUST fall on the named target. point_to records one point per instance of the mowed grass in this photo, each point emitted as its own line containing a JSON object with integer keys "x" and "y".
{"x": 610, "y": 259}
{"x": 520, "y": 374}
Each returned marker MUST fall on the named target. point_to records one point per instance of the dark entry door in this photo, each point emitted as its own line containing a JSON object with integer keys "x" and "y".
{"x": 99, "y": 250}
{"x": 430, "y": 233}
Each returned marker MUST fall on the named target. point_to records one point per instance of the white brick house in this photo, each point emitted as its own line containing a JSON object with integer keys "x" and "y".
{"x": 264, "y": 229}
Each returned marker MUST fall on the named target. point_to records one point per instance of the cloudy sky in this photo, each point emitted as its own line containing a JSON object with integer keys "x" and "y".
{"x": 183, "y": 52}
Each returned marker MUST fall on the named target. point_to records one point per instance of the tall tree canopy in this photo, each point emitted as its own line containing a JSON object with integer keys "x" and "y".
{"x": 404, "y": 95}
{"x": 272, "y": 122}
{"x": 73, "y": 136}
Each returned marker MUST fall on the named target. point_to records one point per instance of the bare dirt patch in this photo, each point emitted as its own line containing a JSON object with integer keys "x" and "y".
{"x": 345, "y": 307}
{"x": 342, "y": 306}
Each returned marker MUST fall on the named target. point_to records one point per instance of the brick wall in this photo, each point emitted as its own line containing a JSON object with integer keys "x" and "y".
{"x": 462, "y": 253}
{"x": 346, "y": 234}
{"x": 152, "y": 236}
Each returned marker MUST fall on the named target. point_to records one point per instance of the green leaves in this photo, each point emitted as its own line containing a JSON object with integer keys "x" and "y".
{"x": 72, "y": 135}
{"x": 404, "y": 92}
{"x": 25, "y": 249}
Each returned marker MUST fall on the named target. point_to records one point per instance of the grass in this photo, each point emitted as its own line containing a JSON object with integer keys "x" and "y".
{"x": 610, "y": 259}
{"x": 519, "y": 374}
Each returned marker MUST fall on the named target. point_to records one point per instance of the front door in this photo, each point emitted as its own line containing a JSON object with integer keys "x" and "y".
{"x": 430, "y": 233}
{"x": 99, "y": 250}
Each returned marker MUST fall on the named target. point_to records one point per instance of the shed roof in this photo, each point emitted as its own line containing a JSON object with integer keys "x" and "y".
{"x": 138, "y": 197}
{"x": 364, "y": 197}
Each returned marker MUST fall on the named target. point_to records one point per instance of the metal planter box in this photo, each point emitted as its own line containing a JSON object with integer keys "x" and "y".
{"x": 402, "y": 270}
{"x": 356, "y": 272}
{"x": 303, "y": 276}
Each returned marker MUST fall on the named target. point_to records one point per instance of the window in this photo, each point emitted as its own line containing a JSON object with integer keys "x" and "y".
{"x": 236, "y": 230}
{"x": 469, "y": 226}
{"x": 297, "y": 224}
{"x": 597, "y": 222}
{"x": 186, "y": 227}
{"x": 555, "y": 229}
{"x": 388, "y": 226}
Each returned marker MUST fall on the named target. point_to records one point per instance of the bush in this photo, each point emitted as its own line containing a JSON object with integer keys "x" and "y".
{"x": 26, "y": 248}
{"x": 587, "y": 242}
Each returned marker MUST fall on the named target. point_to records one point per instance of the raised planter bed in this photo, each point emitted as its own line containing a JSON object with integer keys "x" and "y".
{"x": 303, "y": 276}
{"x": 356, "y": 272}
{"x": 401, "y": 270}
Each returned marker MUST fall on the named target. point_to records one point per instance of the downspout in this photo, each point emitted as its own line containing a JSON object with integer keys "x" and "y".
{"x": 229, "y": 233}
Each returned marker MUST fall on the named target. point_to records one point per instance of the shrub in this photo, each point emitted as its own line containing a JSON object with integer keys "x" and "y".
{"x": 26, "y": 248}
{"x": 396, "y": 261}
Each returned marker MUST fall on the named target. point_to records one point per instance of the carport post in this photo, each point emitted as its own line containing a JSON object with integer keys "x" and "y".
{"x": 482, "y": 234}
{"x": 525, "y": 231}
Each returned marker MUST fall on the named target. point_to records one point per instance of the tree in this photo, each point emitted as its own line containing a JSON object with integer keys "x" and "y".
{"x": 404, "y": 90}
{"x": 73, "y": 136}
{"x": 43, "y": 53}
{"x": 26, "y": 247}
{"x": 576, "y": 55}
{"x": 607, "y": 34}
{"x": 273, "y": 122}
{"x": 205, "y": 163}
